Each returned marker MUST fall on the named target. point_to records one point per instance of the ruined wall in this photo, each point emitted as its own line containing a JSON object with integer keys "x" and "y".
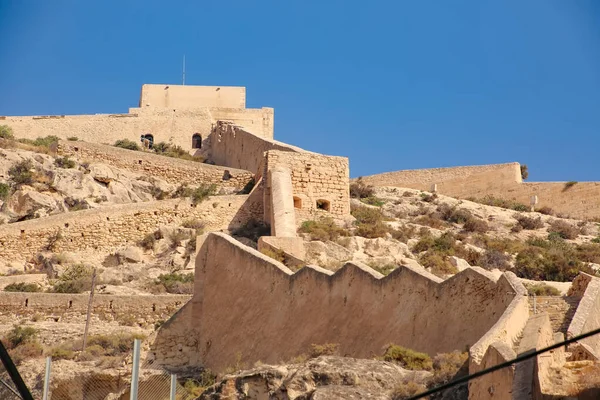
{"x": 172, "y": 170}
{"x": 258, "y": 121}
{"x": 108, "y": 228}
{"x": 72, "y": 308}
{"x": 501, "y": 180}
{"x": 180, "y": 96}
{"x": 274, "y": 314}
{"x": 315, "y": 178}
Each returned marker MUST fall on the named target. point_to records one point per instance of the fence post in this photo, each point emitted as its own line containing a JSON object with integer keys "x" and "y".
{"x": 173, "y": 387}
{"x": 534, "y": 304}
{"x": 47, "y": 377}
{"x": 135, "y": 371}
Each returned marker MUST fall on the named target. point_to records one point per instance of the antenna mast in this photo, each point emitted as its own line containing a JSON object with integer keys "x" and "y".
{"x": 184, "y": 69}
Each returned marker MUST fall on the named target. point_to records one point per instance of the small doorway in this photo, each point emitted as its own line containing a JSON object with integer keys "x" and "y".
{"x": 147, "y": 140}
{"x": 196, "y": 141}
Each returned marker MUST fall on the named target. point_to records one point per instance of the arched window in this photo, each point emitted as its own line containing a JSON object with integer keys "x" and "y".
{"x": 196, "y": 141}
{"x": 323, "y": 205}
{"x": 147, "y": 140}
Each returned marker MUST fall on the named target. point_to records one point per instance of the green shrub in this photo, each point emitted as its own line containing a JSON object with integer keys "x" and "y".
{"x": 174, "y": 151}
{"x": 76, "y": 278}
{"x": 61, "y": 353}
{"x": 4, "y": 191}
{"x": 453, "y": 214}
{"x": 72, "y": 138}
{"x": 127, "y": 144}
{"x": 542, "y": 289}
{"x": 529, "y": 222}
{"x": 203, "y": 191}
{"x": 429, "y": 198}
{"x": 360, "y": 190}
{"x": 494, "y": 259}
{"x": 147, "y": 243}
{"x": 403, "y": 233}
{"x": 252, "y": 229}
{"x": 549, "y": 261}
{"x": 445, "y": 243}
{"x": 277, "y": 255}
{"x": 115, "y": 344}
{"x": 545, "y": 210}
{"x": 383, "y": 269}
{"x": 6, "y": 132}
{"x": 19, "y": 335}
{"x": 176, "y": 283}
{"x": 20, "y": 172}
{"x": 323, "y": 229}
{"x": 564, "y": 229}
{"x": 64, "y": 162}
{"x": 22, "y": 287}
{"x": 438, "y": 263}
{"x": 432, "y": 220}
{"x": 408, "y": 359}
{"x": 476, "y": 225}
{"x": 369, "y": 222}
{"x": 26, "y": 351}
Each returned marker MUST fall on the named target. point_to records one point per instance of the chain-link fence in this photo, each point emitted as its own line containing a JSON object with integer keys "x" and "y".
{"x": 112, "y": 379}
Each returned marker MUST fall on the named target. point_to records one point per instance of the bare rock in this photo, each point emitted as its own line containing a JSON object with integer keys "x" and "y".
{"x": 459, "y": 263}
{"x": 325, "y": 377}
{"x": 130, "y": 254}
{"x": 102, "y": 173}
{"x": 28, "y": 203}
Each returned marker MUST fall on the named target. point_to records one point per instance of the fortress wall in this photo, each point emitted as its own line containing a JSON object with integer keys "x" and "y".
{"x": 180, "y": 96}
{"x": 274, "y": 314}
{"x": 314, "y": 177}
{"x": 73, "y": 307}
{"x": 233, "y": 146}
{"x": 497, "y": 385}
{"x": 109, "y": 228}
{"x": 172, "y": 170}
{"x": 258, "y": 121}
{"x": 165, "y": 125}
{"x": 422, "y": 179}
{"x": 501, "y": 180}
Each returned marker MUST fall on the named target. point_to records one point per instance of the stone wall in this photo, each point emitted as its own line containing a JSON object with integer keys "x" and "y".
{"x": 587, "y": 317}
{"x": 581, "y": 200}
{"x": 317, "y": 180}
{"x": 180, "y": 96}
{"x": 108, "y": 228}
{"x": 233, "y": 146}
{"x": 173, "y": 116}
{"x": 172, "y": 170}
{"x": 273, "y": 314}
{"x": 72, "y": 308}
{"x": 497, "y": 385}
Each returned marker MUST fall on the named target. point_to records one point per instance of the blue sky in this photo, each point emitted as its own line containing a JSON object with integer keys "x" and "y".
{"x": 391, "y": 84}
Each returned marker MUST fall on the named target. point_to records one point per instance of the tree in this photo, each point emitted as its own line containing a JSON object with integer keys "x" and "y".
{"x": 524, "y": 171}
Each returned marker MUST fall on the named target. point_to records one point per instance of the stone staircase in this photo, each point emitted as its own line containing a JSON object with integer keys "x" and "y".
{"x": 561, "y": 309}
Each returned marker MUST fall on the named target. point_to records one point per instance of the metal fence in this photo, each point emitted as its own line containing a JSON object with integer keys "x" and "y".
{"x": 139, "y": 382}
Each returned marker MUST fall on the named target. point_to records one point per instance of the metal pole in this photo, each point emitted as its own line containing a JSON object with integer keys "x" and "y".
{"x": 135, "y": 371}
{"x": 89, "y": 311}
{"x": 173, "y": 386}
{"x": 534, "y": 304}
{"x": 47, "y": 377}
{"x": 183, "y": 70}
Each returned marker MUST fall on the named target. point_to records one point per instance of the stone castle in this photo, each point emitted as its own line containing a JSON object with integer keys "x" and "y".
{"x": 272, "y": 312}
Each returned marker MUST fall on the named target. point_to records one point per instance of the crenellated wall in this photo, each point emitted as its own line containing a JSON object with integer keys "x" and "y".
{"x": 582, "y": 200}
{"x": 586, "y": 318}
{"x": 108, "y": 228}
{"x": 273, "y": 314}
{"x": 172, "y": 170}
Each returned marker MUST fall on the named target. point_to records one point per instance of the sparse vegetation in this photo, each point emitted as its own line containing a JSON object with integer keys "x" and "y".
{"x": 529, "y": 223}
{"x": 383, "y": 269}
{"x": 323, "y": 229}
{"x": 373, "y": 201}
{"x": 76, "y": 278}
{"x": 4, "y": 191}
{"x": 494, "y": 259}
{"x": 22, "y": 287}
{"x": 72, "y": 138}
{"x": 252, "y": 229}
{"x": 407, "y": 389}
{"x": 21, "y": 172}
{"x": 476, "y": 225}
{"x": 404, "y": 233}
{"x": 545, "y": 210}
{"x": 327, "y": 349}
{"x": 542, "y": 289}
{"x": 370, "y": 222}
{"x": 360, "y": 190}
{"x": 64, "y": 162}
{"x": 6, "y": 132}
{"x": 127, "y": 144}
{"x": 176, "y": 283}
{"x": 524, "y": 172}
{"x": 564, "y": 229}
{"x": 569, "y": 185}
{"x": 202, "y": 192}
{"x": 275, "y": 254}
{"x": 174, "y": 151}
{"x": 407, "y": 358}
{"x": 503, "y": 203}
{"x": 21, "y": 343}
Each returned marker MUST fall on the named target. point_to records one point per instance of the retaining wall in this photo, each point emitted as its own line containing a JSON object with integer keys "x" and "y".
{"x": 586, "y": 318}
{"x": 273, "y": 314}
{"x": 172, "y": 170}
{"x": 108, "y": 228}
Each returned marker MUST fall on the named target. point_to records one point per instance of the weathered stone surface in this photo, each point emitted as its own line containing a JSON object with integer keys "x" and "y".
{"x": 130, "y": 254}
{"x": 325, "y": 377}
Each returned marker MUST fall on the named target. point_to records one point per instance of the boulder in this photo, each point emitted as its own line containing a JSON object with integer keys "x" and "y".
{"x": 102, "y": 173}
{"x": 130, "y": 254}
{"x": 27, "y": 203}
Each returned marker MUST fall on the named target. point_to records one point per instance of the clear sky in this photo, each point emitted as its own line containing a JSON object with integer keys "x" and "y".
{"x": 392, "y": 84}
